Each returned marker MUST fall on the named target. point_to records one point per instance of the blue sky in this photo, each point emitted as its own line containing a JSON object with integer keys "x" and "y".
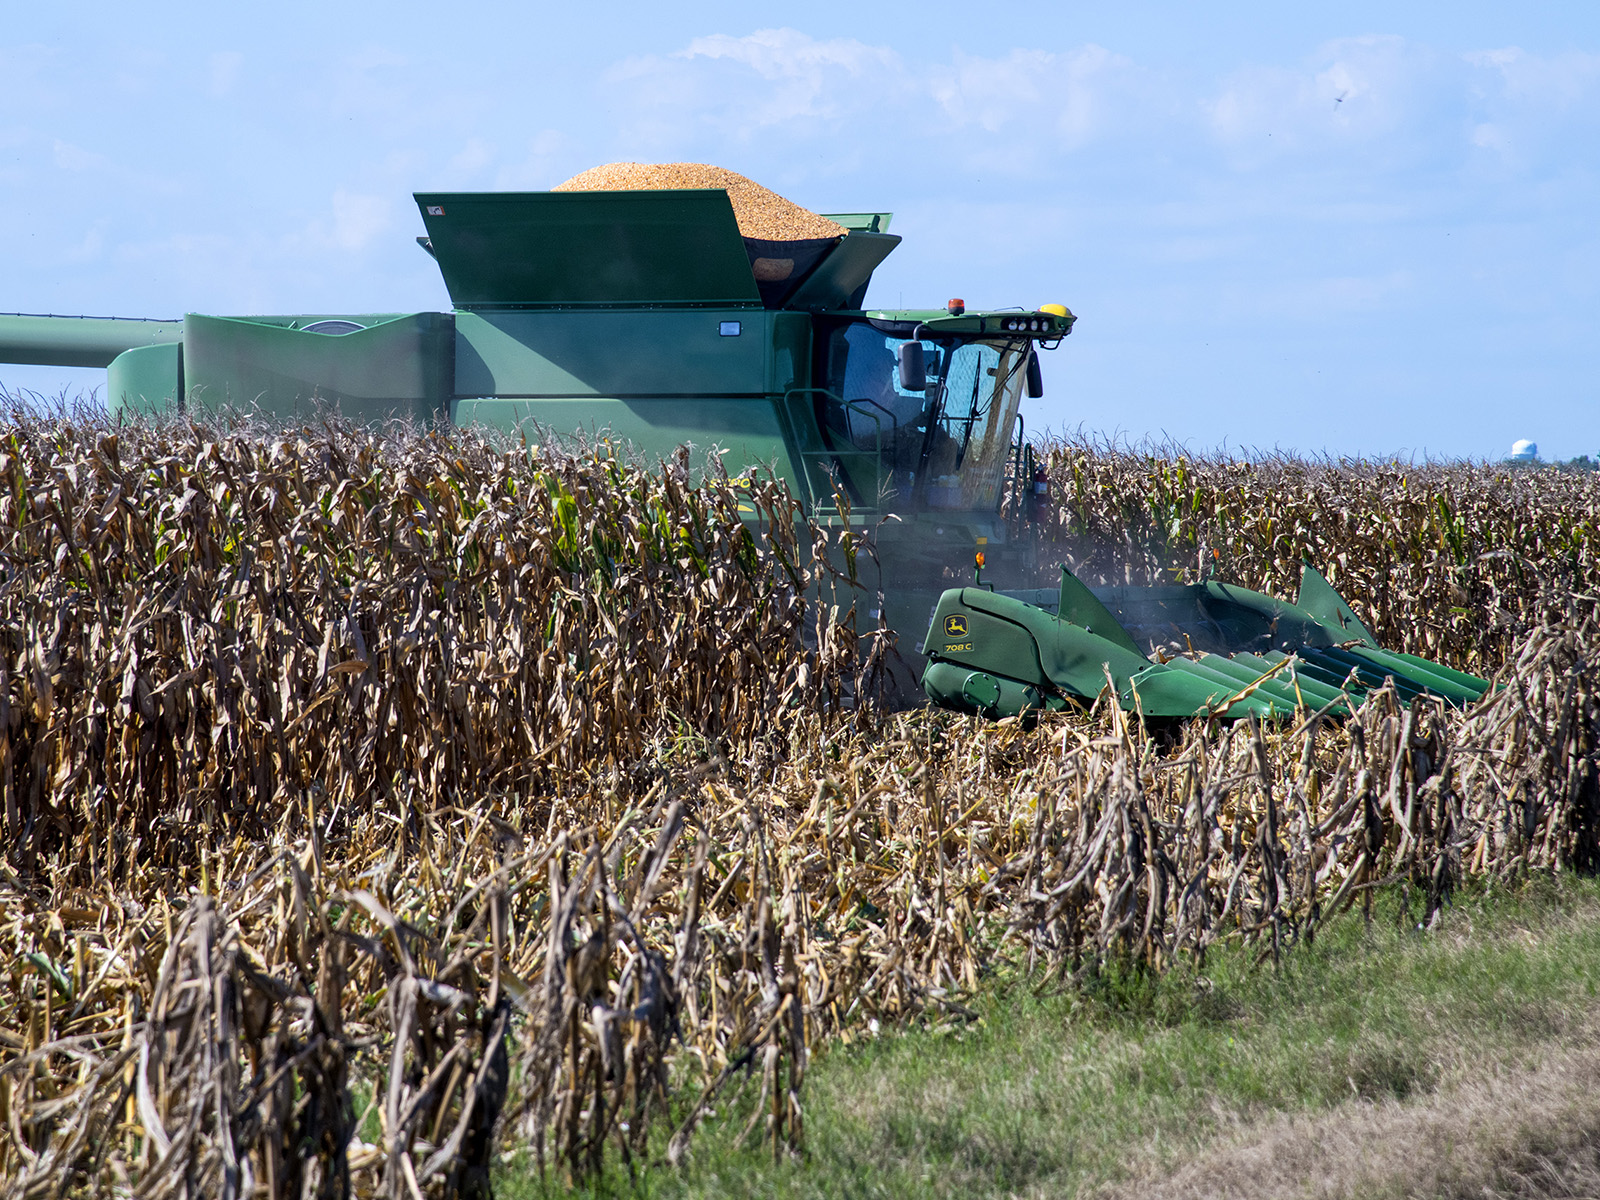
{"x": 1356, "y": 230}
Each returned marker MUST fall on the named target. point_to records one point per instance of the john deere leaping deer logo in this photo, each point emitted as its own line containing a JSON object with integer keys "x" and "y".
{"x": 955, "y": 626}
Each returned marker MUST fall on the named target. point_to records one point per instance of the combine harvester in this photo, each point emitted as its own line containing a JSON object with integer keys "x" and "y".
{"x": 664, "y": 305}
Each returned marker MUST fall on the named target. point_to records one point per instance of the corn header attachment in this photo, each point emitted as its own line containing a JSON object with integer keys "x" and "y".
{"x": 1177, "y": 651}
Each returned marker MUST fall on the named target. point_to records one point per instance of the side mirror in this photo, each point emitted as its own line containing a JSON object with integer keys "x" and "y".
{"x": 913, "y": 367}
{"x": 1035, "y": 376}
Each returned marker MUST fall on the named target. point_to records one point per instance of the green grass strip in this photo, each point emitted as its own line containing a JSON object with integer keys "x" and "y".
{"x": 1133, "y": 1073}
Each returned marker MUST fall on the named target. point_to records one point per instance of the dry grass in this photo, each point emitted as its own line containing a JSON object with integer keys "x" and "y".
{"x": 1524, "y": 1130}
{"x": 371, "y": 803}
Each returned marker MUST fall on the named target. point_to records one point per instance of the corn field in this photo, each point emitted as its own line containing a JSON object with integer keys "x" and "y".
{"x": 1452, "y": 561}
{"x": 377, "y": 807}
{"x": 206, "y": 632}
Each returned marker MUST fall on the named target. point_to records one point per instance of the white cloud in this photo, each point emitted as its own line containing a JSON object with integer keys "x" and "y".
{"x": 358, "y": 219}
{"x": 1532, "y": 109}
{"x": 75, "y": 158}
{"x": 1078, "y": 94}
{"x": 721, "y": 87}
{"x": 1388, "y": 104}
{"x": 352, "y": 221}
{"x": 549, "y": 158}
{"x": 222, "y": 70}
{"x": 990, "y": 92}
{"x": 1354, "y": 91}
{"x": 1489, "y": 136}
{"x": 1560, "y": 81}
{"x": 789, "y": 54}
{"x": 473, "y": 157}
{"x": 806, "y": 79}
{"x": 90, "y": 248}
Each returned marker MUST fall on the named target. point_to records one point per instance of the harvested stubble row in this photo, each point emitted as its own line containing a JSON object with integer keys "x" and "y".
{"x": 385, "y": 983}
{"x": 1451, "y": 561}
{"x": 760, "y": 213}
{"x": 313, "y": 1008}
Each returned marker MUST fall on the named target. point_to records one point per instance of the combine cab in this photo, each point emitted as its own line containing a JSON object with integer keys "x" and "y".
{"x": 1181, "y": 651}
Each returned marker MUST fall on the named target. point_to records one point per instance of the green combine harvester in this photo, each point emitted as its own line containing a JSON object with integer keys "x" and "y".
{"x": 647, "y": 317}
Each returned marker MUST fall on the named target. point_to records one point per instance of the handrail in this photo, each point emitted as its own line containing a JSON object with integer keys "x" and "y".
{"x": 894, "y": 421}
{"x": 1017, "y": 502}
{"x": 837, "y": 455}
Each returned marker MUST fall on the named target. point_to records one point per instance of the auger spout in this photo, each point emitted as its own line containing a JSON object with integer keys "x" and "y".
{"x": 46, "y": 340}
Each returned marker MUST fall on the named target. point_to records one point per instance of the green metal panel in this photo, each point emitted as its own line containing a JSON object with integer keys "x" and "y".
{"x": 789, "y": 364}
{"x": 629, "y": 353}
{"x": 306, "y": 321}
{"x": 997, "y": 633}
{"x": 987, "y": 639}
{"x": 866, "y": 222}
{"x": 654, "y": 426}
{"x": 1371, "y": 674}
{"x": 1318, "y": 688}
{"x": 1209, "y": 671}
{"x": 837, "y": 280}
{"x": 1471, "y": 683}
{"x": 1245, "y": 677}
{"x": 1318, "y": 597}
{"x": 1183, "y": 688}
{"x": 1313, "y": 691}
{"x": 1077, "y": 605}
{"x": 399, "y": 368}
{"x": 1163, "y": 692}
{"x": 78, "y": 341}
{"x": 564, "y": 249}
{"x": 981, "y": 692}
{"x": 1077, "y": 661}
{"x": 145, "y": 380}
{"x": 1423, "y": 674}
{"x": 1331, "y": 674}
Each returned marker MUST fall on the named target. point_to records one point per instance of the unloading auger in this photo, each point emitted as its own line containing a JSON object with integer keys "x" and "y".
{"x": 1171, "y": 651}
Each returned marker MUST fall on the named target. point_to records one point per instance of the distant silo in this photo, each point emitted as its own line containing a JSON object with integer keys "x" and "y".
{"x": 1524, "y": 451}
